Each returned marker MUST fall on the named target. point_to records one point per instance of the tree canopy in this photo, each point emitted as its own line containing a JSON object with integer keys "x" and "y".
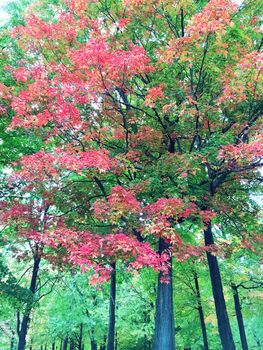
{"x": 131, "y": 149}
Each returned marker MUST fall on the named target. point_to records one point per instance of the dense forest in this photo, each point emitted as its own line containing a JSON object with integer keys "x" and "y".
{"x": 130, "y": 175}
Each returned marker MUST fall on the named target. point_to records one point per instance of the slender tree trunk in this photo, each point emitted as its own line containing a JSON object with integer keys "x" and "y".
{"x": 93, "y": 344}
{"x": 53, "y": 346}
{"x": 65, "y": 343}
{"x": 201, "y": 312}
{"x": 164, "y": 336}
{"x": 239, "y": 318}
{"x": 111, "y": 327}
{"x": 22, "y": 332}
{"x": 71, "y": 344}
{"x": 80, "y": 336}
{"x": 220, "y": 305}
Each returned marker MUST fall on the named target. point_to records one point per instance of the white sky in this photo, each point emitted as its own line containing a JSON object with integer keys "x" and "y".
{"x": 3, "y": 14}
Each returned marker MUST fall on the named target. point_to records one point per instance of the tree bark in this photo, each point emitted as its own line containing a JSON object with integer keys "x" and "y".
{"x": 239, "y": 318}
{"x": 220, "y": 305}
{"x": 80, "y": 336}
{"x": 93, "y": 344}
{"x": 164, "y": 335}
{"x": 71, "y": 344}
{"x": 111, "y": 327}
{"x": 201, "y": 312}
{"x": 65, "y": 343}
{"x": 22, "y": 332}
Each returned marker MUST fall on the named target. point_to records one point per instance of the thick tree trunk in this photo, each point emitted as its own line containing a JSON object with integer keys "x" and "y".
{"x": 22, "y": 332}
{"x": 111, "y": 327}
{"x": 201, "y": 312}
{"x": 164, "y": 335}
{"x": 239, "y": 318}
{"x": 220, "y": 305}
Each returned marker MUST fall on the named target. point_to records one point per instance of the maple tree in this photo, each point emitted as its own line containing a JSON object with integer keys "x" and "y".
{"x": 145, "y": 127}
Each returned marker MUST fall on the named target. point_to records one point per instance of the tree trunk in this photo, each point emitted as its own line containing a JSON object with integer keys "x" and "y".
{"x": 220, "y": 305}
{"x": 65, "y": 343}
{"x": 71, "y": 344}
{"x": 200, "y": 311}
{"x": 93, "y": 344}
{"x": 80, "y": 336}
{"x": 22, "y": 332}
{"x": 239, "y": 318}
{"x": 53, "y": 346}
{"x": 164, "y": 335}
{"x": 111, "y": 327}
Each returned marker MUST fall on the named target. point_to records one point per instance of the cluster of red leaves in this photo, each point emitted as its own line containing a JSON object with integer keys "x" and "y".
{"x": 106, "y": 66}
{"x": 242, "y": 152}
{"x": 30, "y": 220}
{"x": 65, "y": 28}
{"x": 175, "y": 208}
{"x": 214, "y": 18}
{"x": 154, "y": 94}
{"x": 165, "y": 208}
{"x": 45, "y": 166}
{"x": 120, "y": 202}
{"x": 40, "y": 104}
{"x": 89, "y": 250}
{"x": 17, "y": 212}
{"x": 123, "y": 202}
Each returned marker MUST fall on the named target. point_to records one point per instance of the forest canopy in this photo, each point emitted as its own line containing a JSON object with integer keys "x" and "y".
{"x": 130, "y": 175}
